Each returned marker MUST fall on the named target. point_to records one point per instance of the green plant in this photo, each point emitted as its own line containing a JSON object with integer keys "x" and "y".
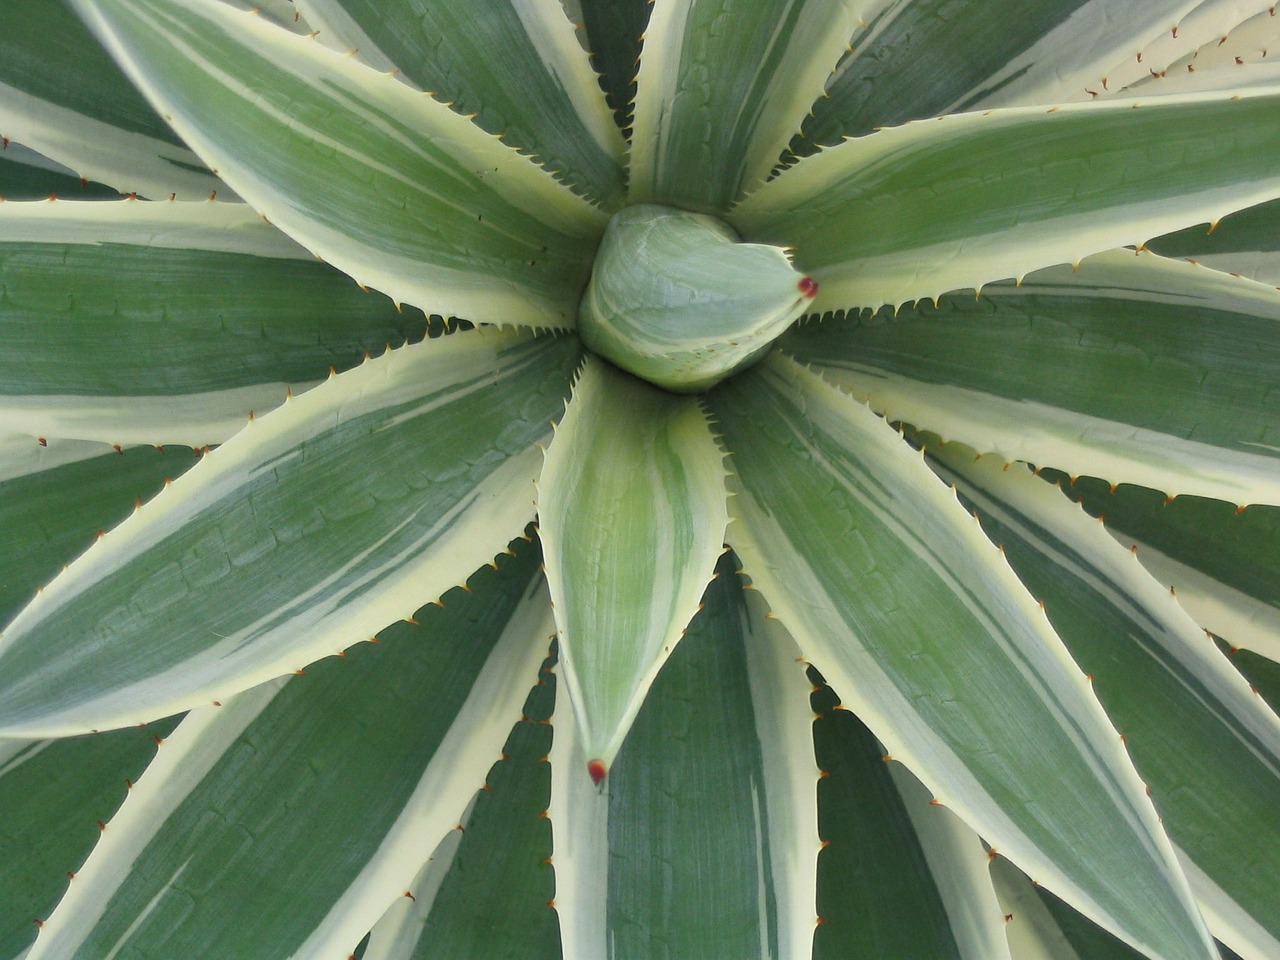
{"x": 991, "y": 635}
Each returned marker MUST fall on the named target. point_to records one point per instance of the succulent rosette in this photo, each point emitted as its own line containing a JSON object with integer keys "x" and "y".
{"x": 612, "y": 479}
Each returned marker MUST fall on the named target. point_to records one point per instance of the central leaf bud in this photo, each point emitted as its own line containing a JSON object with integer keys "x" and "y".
{"x": 677, "y": 299}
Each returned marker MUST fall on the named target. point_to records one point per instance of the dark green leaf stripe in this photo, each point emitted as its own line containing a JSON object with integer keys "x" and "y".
{"x": 689, "y": 859}
{"x": 614, "y": 29}
{"x": 914, "y": 58}
{"x": 21, "y": 180}
{"x": 1262, "y": 674}
{"x": 1248, "y": 230}
{"x": 1238, "y": 548}
{"x": 876, "y": 895}
{"x": 1247, "y": 243}
{"x": 122, "y": 319}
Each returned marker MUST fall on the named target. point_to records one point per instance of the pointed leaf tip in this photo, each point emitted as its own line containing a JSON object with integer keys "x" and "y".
{"x": 597, "y": 771}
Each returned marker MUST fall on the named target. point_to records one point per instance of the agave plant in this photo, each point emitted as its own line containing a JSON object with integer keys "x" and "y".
{"x": 597, "y": 478}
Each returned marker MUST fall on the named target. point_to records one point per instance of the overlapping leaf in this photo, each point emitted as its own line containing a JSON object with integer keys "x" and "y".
{"x": 540, "y": 95}
{"x": 682, "y": 864}
{"x": 1206, "y": 745}
{"x": 721, "y": 89}
{"x": 384, "y": 182}
{"x": 170, "y": 322}
{"x": 920, "y": 624}
{"x": 90, "y": 117}
{"x": 330, "y": 518}
{"x": 632, "y": 512}
{"x": 915, "y": 211}
{"x": 1135, "y": 369}
{"x": 395, "y": 738}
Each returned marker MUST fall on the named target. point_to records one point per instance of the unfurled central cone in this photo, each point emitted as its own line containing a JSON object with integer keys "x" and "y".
{"x": 677, "y": 299}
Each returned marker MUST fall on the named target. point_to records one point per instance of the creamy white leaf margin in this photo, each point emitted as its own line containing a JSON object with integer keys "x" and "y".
{"x": 784, "y": 726}
{"x": 323, "y": 618}
{"x": 786, "y": 578}
{"x": 816, "y": 36}
{"x": 579, "y": 813}
{"x": 448, "y": 784}
{"x": 396, "y": 935}
{"x": 22, "y": 454}
{"x": 1259, "y": 77}
{"x": 519, "y": 182}
{"x": 194, "y": 420}
{"x": 1244, "y": 621}
{"x": 1247, "y": 44}
{"x": 1230, "y": 924}
{"x": 1074, "y": 58}
{"x": 625, "y": 592}
{"x": 971, "y": 262}
{"x": 1077, "y": 443}
{"x": 1031, "y": 931}
{"x": 173, "y": 224}
{"x": 128, "y": 161}
{"x": 1211, "y": 22}
{"x": 1260, "y": 265}
{"x": 958, "y": 863}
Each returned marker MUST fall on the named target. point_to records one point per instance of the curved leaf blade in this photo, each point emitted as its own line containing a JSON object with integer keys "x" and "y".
{"x": 915, "y": 211}
{"x": 911, "y": 612}
{"x": 632, "y": 514}
{"x": 307, "y": 532}
{"x": 1138, "y": 369}
{"x": 390, "y": 186}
